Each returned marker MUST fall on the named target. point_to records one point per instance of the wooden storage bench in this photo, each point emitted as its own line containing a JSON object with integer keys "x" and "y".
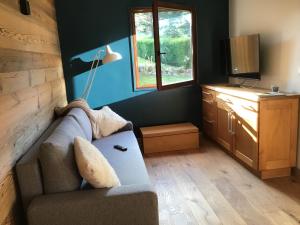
{"x": 166, "y": 138}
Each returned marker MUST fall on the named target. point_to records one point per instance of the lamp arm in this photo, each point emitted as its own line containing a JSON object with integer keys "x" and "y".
{"x": 91, "y": 76}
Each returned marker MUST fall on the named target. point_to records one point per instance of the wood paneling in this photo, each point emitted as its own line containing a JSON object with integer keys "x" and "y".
{"x": 9, "y": 206}
{"x": 40, "y": 15}
{"x": 31, "y": 85}
{"x": 14, "y": 60}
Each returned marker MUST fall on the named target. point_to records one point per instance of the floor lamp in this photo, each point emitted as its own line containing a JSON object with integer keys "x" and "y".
{"x": 110, "y": 56}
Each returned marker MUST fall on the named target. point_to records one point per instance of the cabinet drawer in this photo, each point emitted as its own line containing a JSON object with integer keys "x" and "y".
{"x": 208, "y": 95}
{"x": 172, "y": 137}
{"x": 209, "y": 128}
{"x": 209, "y": 110}
{"x": 189, "y": 141}
{"x": 225, "y": 105}
{"x": 238, "y": 102}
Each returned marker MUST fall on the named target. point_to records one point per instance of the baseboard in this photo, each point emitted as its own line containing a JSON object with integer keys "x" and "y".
{"x": 275, "y": 173}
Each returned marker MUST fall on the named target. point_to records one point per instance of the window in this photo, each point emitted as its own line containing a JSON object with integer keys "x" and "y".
{"x": 163, "y": 46}
{"x": 143, "y": 46}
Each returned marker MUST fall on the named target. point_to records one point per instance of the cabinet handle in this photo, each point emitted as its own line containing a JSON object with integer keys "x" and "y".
{"x": 227, "y": 101}
{"x": 207, "y": 93}
{"x": 250, "y": 108}
{"x": 228, "y": 121}
{"x": 208, "y": 102}
{"x": 231, "y": 122}
{"x": 208, "y": 121}
{"x": 232, "y": 130}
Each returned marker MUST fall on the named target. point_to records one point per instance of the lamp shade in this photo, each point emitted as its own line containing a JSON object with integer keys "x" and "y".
{"x": 111, "y": 56}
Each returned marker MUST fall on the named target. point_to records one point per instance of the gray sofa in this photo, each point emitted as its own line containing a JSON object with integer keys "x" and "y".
{"x": 133, "y": 203}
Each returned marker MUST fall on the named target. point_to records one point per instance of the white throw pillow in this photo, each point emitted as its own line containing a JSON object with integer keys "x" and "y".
{"x": 93, "y": 166}
{"x": 108, "y": 121}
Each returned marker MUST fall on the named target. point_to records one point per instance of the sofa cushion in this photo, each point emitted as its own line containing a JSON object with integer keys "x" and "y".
{"x": 82, "y": 119}
{"x": 109, "y": 121}
{"x": 129, "y": 165}
{"x": 59, "y": 173}
{"x": 57, "y": 160}
{"x": 93, "y": 166}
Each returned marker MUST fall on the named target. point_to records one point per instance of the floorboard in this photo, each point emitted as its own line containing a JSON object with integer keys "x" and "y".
{"x": 209, "y": 187}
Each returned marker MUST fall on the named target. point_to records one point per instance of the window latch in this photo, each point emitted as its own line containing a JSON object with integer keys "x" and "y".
{"x": 161, "y": 53}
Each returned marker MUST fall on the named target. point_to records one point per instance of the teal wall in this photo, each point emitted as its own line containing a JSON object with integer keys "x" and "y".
{"x": 86, "y": 26}
{"x": 113, "y": 82}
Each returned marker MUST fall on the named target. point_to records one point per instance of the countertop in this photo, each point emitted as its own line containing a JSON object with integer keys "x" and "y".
{"x": 249, "y": 93}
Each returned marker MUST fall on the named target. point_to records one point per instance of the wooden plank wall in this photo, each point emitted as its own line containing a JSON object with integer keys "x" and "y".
{"x": 31, "y": 85}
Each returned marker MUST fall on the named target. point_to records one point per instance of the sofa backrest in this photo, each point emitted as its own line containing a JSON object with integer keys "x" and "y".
{"x": 28, "y": 169}
{"x": 84, "y": 122}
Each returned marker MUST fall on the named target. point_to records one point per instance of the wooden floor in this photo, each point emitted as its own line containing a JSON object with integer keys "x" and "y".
{"x": 209, "y": 187}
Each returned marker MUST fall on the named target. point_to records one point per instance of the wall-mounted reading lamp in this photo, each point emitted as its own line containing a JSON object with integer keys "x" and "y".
{"x": 110, "y": 56}
{"x": 25, "y": 7}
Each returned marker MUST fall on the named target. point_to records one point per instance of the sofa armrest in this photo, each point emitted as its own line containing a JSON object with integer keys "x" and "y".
{"x": 124, "y": 205}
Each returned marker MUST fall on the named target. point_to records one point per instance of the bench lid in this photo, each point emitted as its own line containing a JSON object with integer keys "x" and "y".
{"x": 165, "y": 130}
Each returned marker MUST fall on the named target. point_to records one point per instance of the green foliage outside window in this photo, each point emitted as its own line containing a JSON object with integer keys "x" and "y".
{"x": 178, "y": 49}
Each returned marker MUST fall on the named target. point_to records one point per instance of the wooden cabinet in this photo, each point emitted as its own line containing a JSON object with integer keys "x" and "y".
{"x": 259, "y": 130}
{"x": 209, "y": 113}
{"x": 245, "y": 144}
{"x": 224, "y": 125}
{"x": 278, "y": 135}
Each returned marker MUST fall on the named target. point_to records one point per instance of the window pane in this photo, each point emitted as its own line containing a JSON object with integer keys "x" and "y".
{"x": 146, "y": 70}
{"x": 176, "y": 45}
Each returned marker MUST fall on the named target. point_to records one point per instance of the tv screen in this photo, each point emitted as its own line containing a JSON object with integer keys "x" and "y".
{"x": 243, "y": 56}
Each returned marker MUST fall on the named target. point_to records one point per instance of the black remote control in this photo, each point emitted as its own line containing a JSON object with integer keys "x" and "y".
{"x": 121, "y": 148}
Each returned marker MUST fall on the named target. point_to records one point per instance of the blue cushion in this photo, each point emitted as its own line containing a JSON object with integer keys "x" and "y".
{"x": 129, "y": 165}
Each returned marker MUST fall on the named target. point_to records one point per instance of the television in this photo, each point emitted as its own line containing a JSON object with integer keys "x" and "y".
{"x": 243, "y": 57}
